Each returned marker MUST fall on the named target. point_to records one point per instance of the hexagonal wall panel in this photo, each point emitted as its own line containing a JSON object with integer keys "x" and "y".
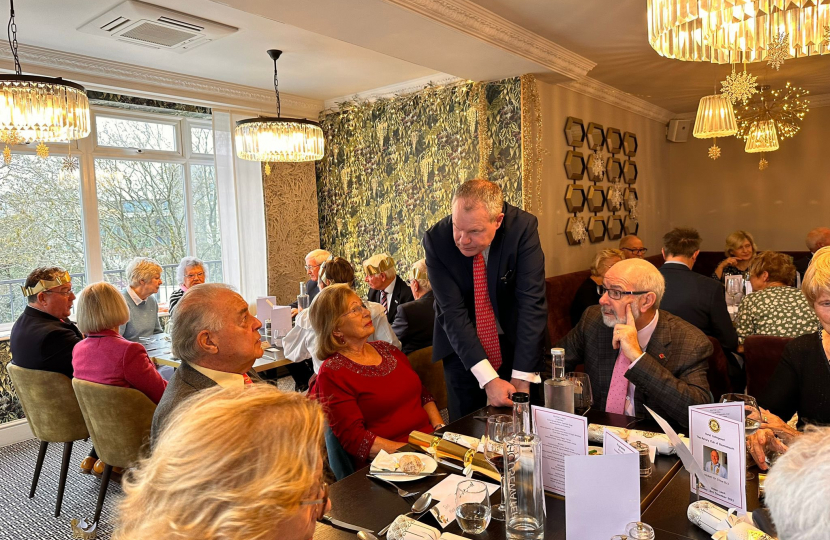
{"x": 589, "y": 168}
{"x": 614, "y": 169}
{"x": 627, "y": 195}
{"x": 596, "y": 199}
{"x": 629, "y": 174}
{"x": 613, "y": 139}
{"x": 629, "y": 144}
{"x": 608, "y": 198}
{"x": 574, "y": 165}
{"x": 575, "y": 198}
{"x": 596, "y": 229}
{"x": 595, "y": 136}
{"x": 631, "y": 226}
{"x": 614, "y": 227}
{"x": 574, "y": 132}
{"x": 569, "y": 231}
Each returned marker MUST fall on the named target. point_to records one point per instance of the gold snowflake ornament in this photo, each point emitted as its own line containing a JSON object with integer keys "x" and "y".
{"x": 714, "y": 151}
{"x": 7, "y": 155}
{"x": 739, "y": 86}
{"x": 267, "y": 169}
{"x": 778, "y": 50}
{"x": 763, "y": 164}
{"x": 580, "y": 232}
{"x": 597, "y": 166}
{"x": 42, "y": 150}
{"x": 69, "y": 164}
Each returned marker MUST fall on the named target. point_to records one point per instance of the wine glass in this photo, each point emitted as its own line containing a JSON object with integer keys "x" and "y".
{"x": 472, "y": 506}
{"x": 734, "y": 287}
{"x": 752, "y": 417}
{"x": 583, "y": 398}
{"x": 499, "y": 428}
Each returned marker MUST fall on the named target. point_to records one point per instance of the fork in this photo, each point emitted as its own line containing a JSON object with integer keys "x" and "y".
{"x": 402, "y": 492}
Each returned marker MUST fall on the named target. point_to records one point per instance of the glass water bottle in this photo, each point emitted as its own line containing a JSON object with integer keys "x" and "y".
{"x": 525, "y": 495}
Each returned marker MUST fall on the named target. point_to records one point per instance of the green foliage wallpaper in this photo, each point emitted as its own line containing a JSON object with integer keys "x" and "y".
{"x": 392, "y": 165}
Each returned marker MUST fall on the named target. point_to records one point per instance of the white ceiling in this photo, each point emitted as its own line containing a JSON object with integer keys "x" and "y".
{"x": 336, "y": 48}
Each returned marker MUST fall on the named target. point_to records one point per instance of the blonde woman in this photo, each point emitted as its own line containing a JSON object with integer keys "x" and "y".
{"x": 739, "y": 251}
{"x": 240, "y": 463}
{"x": 587, "y": 294}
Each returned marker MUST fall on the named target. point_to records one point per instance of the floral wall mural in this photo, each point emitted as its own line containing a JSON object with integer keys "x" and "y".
{"x": 10, "y": 408}
{"x": 392, "y": 165}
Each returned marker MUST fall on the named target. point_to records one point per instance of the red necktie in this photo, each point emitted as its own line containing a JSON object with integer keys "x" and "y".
{"x": 485, "y": 319}
{"x": 247, "y": 379}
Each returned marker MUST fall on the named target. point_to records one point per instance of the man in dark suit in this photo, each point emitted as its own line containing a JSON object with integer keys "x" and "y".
{"x": 635, "y": 354}
{"x": 487, "y": 271}
{"x": 217, "y": 340}
{"x": 816, "y": 239}
{"x": 415, "y": 320}
{"x": 385, "y": 287}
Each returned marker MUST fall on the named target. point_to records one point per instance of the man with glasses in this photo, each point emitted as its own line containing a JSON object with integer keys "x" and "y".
{"x": 313, "y": 261}
{"x": 636, "y": 354}
{"x": 632, "y": 247}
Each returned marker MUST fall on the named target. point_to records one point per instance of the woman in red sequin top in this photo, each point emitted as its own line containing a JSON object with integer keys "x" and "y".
{"x": 372, "y": 396}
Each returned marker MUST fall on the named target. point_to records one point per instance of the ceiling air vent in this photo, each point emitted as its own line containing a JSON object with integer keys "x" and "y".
{"x": 153, "y": 26}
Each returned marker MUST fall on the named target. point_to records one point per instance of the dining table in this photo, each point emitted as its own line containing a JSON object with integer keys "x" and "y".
{"x": 159, "y": 350}
{"x": 364, "y": 502}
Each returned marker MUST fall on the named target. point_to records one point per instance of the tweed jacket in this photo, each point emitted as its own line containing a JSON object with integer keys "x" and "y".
{"x": 669, "y": 378}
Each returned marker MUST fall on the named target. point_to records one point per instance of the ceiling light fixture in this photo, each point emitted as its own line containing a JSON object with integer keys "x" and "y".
{"x": 787, "y": 107}
{"x": 737, "y": 31}
{"x": 762, "y": 137}
{"x": 715, "y": 118}
{"x": 278, "y": 139}
{"x": 41, "y": 109}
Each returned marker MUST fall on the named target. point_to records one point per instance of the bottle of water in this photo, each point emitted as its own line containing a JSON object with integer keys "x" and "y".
{"x": 525, "y": 496}
{"x": 302, "y": 298}
{"x": 559, "y": 392}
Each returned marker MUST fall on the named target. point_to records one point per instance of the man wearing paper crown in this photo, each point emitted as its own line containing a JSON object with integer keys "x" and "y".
{"x": 487, "y": 271}
{"x": 385, "y": 287}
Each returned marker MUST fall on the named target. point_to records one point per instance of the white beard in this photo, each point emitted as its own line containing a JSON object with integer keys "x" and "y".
{"x": 610, "y": 320}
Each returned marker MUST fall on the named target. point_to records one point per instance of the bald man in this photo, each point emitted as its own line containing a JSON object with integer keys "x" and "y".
{"x": 636, "y": 354}
{"x": 632, "y": 247}
{"x": 816, "y": 239}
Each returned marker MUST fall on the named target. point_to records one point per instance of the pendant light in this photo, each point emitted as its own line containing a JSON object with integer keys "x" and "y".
{"x": 762, "y": 137}
{"x": 41, "y": 109}
{"x": 715, "y": 118}
{"x": 278, "y": 139}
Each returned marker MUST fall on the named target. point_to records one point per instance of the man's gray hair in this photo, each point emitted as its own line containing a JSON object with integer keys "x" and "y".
{"x": 197, "y": 310}
{"x": 141, "y": 269}
{"x": 185, "y": 264}
{"x": 318, "y": 255}
{"x": 421, "y": 267}
{"x": 798, "y": 487}
{"x": 480, "y": 192}
{"x": 644, "y": 277}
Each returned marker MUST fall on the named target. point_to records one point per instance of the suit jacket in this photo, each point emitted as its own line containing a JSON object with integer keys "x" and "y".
{"x": 700, "y": 301}
{"x": 41, "y": 341}
{"x": 311, "y": 288}
{"x": 668, "y": 378}
{"x": 183, "y": 384}
{"x": 802, "y": 264}
{"x": 401, "y": 294}
{"x": 515, "y": 282}
{"x": 415, "y": 322}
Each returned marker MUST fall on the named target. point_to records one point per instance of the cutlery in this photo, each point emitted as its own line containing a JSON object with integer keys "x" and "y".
{"x": 363, "y": 535}
{"x": 402, "y": 492}
{"x": 418, "y": 507}
{"x": 450, "y": 464}
{"x": 343, "y": 525}
{"x": 401, "y": 473}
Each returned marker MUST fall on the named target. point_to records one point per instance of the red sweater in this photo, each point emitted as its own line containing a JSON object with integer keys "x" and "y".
{"x": 365, "y": 402}
{"x": 107, "y": 358}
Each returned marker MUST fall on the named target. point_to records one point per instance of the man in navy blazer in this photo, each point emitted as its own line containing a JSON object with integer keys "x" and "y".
{"x": 508, "y": 239}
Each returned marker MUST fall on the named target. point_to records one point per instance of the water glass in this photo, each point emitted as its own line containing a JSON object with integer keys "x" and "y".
{"x": 583, "y": 398}
{"x": 752, "y": 418}
{"x": 472, "y": 506}
{"x": 499, "y": 428}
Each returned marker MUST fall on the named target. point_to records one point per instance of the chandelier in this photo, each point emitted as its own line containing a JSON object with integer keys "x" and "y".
{"x": 715, "y": 118}
{"x": 787, "y": 107}
{"x": 737, "y": 31}
{"x": 278, "y": 139}
{"x": 762, "y": 137}
{"x": 41, "y": 109}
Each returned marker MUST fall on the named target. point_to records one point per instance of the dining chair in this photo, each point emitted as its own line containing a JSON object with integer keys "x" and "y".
{"x": 761, "y": 356}
{"x": 53, "y": 413}
{"x": 718, "y": 373}
{"x": 431, "y": 374}
{"x": 119, "y": 421}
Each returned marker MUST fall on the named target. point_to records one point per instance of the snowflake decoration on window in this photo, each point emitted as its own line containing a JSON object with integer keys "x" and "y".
{"x": 597, "y": 167}
{"x": 714, "y": 151}
{"x": 42, "y": 150}
{"x": 739, "y": 86}
{"x": 763, "y": 164}
{"x": 778, "y": 50}
{"x": 580, "y": 232}
{"x": 69, "y": 164}
{"x": 615, "y": 196}
{"x": 7, "y": 155}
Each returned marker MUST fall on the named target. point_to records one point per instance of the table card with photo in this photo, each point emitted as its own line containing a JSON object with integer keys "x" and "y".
{"x": 562, "y": 435}
{"x": 718, "y": 444}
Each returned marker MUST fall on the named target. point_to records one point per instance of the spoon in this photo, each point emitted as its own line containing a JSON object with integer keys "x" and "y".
{"x": 363, "y": 535}
{"x": 418, "y": 507}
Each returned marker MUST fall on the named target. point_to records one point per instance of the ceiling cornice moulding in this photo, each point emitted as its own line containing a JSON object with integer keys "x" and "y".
{"x": 406, "y": 87}
{"x": 476, "y": 21}
{"x": 607, "y": 93}
{"x": 227, "y": 93}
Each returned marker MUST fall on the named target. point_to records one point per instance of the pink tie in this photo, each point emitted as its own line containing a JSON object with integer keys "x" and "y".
{"x": 617, "y": 392}
{"x": 486, "y": 328}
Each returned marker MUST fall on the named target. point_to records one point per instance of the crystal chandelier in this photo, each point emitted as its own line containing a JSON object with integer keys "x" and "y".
{"x": 41, "y": 109}
{"x": 278, "y": 139}
{"x": 737, "y": 31}
{"x": 762, "y": 137}
{"x": 715, "y": 118}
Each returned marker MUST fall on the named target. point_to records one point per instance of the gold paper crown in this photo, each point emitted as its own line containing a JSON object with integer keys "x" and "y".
{"x": 44, "y": 284}
{"x": 417, "y": 274}
{"x": 383, "y": 266}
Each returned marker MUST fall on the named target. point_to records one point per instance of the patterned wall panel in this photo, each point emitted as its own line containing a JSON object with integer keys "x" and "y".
{"x": 291, "y": 225}
{"x": 391, "y": 165}
{"x": 10, "y": 408}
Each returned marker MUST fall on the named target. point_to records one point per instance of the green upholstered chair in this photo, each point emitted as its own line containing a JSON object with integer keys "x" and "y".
{"x": 119, "y": 422}
{"x": 431, "y": 374}
{"x": 53, "y": 414}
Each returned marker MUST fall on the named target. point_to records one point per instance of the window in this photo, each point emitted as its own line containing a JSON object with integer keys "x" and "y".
{"x": 121, "y": 133}
{"x": 201, "y": 140}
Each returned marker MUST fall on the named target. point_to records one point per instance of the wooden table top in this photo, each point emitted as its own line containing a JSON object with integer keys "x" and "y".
{"x": 158, "y": 348}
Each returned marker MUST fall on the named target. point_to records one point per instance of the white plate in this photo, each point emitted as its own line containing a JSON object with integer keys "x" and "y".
{"x": 429, "y": 467}
{"x": 597, "y": 449}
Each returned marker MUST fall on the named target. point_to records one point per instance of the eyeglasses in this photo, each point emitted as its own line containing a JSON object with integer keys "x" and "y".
{"x": 615, "y": 294}
{"x": 197, "y": 274}
{"x": 310, "y": 266}
{"x": 65, "y": 294}
{"x": 638, "y": 251}
{"x": 357, "y": 310}
{"x": 323, "y": 501}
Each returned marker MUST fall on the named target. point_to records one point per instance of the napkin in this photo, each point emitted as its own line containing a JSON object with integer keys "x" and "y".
{"x": 660, "y": 441}
{"x": 464, "y": 440}
{"x": 405, "y": 528}
{"x": 384, "y": 462}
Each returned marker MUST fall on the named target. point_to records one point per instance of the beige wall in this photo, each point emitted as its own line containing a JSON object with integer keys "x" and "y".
{"x": 777, "y": 206}
{"x": 652, "y": 185}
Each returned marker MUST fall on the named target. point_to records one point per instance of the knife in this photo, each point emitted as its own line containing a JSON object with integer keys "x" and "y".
{"x": 401, "y": 473}
{"x": 343, "y": 525}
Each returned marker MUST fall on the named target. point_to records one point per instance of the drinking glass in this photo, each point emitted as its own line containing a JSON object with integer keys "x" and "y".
{"x": 734, "y": 287}
{"x": 752, "y": 417}
{"x": 472, "y": 506}
{"x": 583, "y": 398}
{"x": 499, "y": 427}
